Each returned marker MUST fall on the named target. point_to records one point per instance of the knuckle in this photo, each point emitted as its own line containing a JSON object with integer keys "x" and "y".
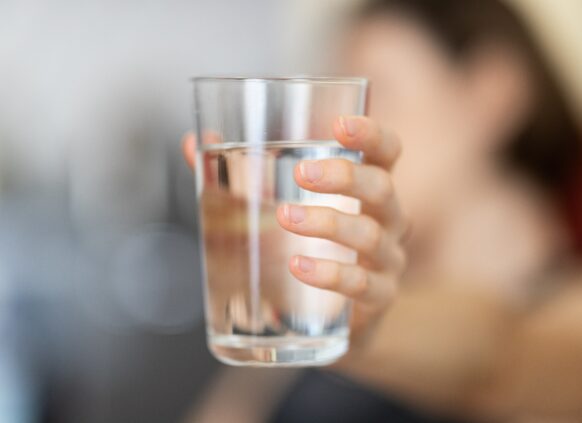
{"x": 373, "y": 234}
{"x": 360, "y": 282}
{"x": 384, "y": 189}
{"x": 346, "y": 169}
{"x": 335, "y": 277}
{"x": 329, "y": 228}
{"x": 393, "y": 145}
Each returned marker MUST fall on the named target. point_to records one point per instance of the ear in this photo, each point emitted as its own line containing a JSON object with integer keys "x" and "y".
{"x": 501, "y": 89}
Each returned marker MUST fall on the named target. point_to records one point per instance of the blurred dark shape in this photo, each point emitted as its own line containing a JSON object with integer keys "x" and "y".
{"x": 330, "y": 398}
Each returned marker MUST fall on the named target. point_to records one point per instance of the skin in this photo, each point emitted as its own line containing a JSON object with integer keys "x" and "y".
{"x": 375, "y": 233}
{"x": 463, "y": 336}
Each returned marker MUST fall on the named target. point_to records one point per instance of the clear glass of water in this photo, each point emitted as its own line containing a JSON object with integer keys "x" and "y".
{"x": 251, "y": 133}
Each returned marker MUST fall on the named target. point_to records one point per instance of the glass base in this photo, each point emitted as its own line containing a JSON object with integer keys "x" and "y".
{"x": 300, "y": 351}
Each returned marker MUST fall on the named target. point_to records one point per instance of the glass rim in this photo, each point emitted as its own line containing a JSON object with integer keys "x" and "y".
{"x": 339, "y": 80}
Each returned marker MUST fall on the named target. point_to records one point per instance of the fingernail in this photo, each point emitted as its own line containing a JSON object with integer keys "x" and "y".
{"x": 304, "y": 264}
{"x": 351, "y": 125}
{"x": 295, "y": 214}
{"x": 310, "y": 171}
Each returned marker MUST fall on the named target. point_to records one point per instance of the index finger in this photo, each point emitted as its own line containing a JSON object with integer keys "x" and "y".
{"x": 362, "y": 133}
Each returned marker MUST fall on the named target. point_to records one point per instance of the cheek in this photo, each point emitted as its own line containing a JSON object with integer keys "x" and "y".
{"x": 430, "y": 123}
{"x": 420, "y": 107}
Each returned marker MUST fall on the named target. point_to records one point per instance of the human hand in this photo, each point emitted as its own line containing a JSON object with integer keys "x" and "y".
{"x": 375, "y": 234}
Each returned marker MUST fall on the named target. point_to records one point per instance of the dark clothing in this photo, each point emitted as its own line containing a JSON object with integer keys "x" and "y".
{"x": 328, "y": 398}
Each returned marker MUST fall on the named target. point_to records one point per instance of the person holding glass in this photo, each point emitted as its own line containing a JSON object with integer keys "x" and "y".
{"x": 485, "y": 321}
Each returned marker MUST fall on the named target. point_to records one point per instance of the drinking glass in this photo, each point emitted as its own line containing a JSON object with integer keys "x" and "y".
{"x": 251, "y": 133}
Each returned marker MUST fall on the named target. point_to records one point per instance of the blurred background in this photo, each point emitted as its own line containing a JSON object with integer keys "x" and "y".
{"x": 100, "y": 292}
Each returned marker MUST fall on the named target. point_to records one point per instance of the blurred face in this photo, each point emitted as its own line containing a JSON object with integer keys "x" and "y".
{"x": 419, "y": 92}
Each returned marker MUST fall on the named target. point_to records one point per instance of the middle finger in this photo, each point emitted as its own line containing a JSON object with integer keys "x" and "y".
{"x": 359, "y": 232}
{"x": 370, "y": 184}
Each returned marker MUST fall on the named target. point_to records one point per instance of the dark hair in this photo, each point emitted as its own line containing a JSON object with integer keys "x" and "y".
{"x": 547, "y": 148}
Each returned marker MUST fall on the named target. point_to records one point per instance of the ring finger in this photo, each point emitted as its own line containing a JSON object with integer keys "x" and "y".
{"x": 360, "y": 232}
{"x": 369, "y": 288}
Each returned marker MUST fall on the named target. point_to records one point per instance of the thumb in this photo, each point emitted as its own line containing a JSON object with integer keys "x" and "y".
{"x": 189, "y": 149}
